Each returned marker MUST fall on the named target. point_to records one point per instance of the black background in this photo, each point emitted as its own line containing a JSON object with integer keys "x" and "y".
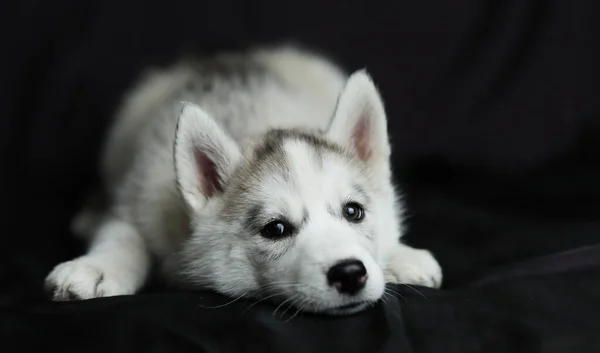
{"x": 494, "y": 114}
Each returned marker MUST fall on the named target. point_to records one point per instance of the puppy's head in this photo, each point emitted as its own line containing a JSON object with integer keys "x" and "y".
{"x": 305, "y": 218}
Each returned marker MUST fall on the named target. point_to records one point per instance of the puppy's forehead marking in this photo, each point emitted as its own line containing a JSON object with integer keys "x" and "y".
{"x": 253, "y": 219}
{"x": 360, "y": 192}
{"x": 304, "y": 215}
{"x": 273, "y": 156}
{"x": 277, "y": 167}
{"x": 270, "y": 148}
{"x": 273, "y": 143}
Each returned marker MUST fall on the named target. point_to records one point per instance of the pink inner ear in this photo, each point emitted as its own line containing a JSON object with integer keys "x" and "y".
{"x": 360, "y": 139}
{"x": 207, "y": 172}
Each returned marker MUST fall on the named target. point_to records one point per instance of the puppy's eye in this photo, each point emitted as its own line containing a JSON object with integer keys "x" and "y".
{"x": 354, "y": 212}
{"x": 276, "y": 229}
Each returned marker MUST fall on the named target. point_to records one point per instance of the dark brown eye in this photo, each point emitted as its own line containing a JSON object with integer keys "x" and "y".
{"x": 354, "y": 212}
{"x": 276, "y": 229}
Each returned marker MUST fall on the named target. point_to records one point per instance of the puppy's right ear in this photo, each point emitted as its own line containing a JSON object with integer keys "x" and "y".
{"x": 205, "y": 156}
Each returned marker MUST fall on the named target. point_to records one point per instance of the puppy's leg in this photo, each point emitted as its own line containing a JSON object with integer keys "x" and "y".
{"x": 117, "y": 263}
{"x": 413, "y": 266}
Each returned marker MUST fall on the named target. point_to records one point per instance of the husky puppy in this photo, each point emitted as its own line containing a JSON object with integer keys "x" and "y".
{"x": 262, "y": 174}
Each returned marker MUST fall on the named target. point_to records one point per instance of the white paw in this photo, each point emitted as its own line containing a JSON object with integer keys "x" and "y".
{"x": 84, "y": 278}
{"x": 413, "y": 266}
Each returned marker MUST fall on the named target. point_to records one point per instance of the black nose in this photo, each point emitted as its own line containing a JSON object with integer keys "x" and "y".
{"x": 348, "y": 276}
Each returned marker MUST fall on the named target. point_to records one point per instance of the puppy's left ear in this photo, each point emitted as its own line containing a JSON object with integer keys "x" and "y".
{"x": 359, "y": 122}
{"x": 205, "y": 156}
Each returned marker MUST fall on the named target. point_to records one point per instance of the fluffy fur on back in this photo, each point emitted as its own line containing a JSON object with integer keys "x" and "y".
{"x": 260, "y": 174}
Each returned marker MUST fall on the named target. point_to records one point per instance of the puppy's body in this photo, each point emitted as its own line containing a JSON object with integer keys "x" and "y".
{"x": 204, "y": 186}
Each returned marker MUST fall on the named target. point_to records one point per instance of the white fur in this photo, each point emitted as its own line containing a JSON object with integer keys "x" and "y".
{"x": 162, "y": 201}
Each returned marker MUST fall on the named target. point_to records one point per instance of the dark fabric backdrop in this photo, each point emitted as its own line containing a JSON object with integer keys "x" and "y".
{"x": 495, "y": 118}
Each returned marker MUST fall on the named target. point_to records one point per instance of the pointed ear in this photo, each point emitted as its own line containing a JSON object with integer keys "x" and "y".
{"x": 205, "y": 156}
{"x": 359, "y": 122}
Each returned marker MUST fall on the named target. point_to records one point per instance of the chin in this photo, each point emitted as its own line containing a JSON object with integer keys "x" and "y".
{"x": 348, "y": 309}
{"x": 339, "y": 310}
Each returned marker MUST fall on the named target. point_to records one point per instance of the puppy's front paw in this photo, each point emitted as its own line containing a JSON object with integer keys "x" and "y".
{"x": 84, "y": 278}
{"x": 413, "y": 266}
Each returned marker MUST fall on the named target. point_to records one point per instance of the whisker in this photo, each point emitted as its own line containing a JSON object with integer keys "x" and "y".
{"x": 223, "y": 305}
{"x": 292, "y": 304}
{"x": 300, "y": 307}
{"x": 259, "y": 301}
{"x": 395, "y": 313}
{"x": 278, "y": 288}
{"x": 383, "y": 299}
{"x": 389, "y": 290}
{"x": 411, "y": 287}
{"x": 283, "y": 303}
{"x": 288, "y": 283}
{"x": 372, "y": 304}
